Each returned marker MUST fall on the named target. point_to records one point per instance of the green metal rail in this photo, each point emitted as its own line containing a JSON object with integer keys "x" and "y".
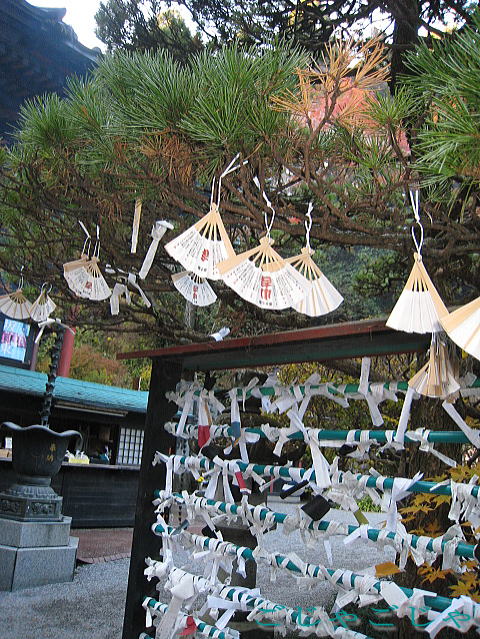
{"x": 386, "y": 483}
{"x": 462, "y": 550}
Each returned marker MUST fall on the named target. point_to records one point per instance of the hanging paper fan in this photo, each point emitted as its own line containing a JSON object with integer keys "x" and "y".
{"x": 194, "y": 289}
{"x": 43, "y": 306}
{"x": 436, "y": 378}
{"x": 321, "y": 297}
{"x": 15, "y": 305}
{"x": 463, "y": 327}
{"x": 95, "y": 287}
{"x": 75, "y": 272}
{"x": 261, "y": 276}
{"x": 200, "y": 248}
{"x": 419, "y": 307}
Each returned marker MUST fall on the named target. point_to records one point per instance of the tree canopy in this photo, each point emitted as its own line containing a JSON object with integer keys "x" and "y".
{"x": 132, "y": 26}
{"x": 144, "y": 126}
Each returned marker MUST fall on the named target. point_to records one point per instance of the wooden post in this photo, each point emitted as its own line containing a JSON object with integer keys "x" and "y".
{"x": 165, "y": 376}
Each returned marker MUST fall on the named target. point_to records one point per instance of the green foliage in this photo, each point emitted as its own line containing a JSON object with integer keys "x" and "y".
{"x": 136, "y": 25}
{"x": 445, "y": 80}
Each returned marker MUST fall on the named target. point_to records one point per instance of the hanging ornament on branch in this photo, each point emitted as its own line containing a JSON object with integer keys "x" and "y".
{"x": 75, "y": 272}
{"x": 195, "y": 289}
{"x": 136, "y": 225}
{"x": 436, "y": 378}
{"x": 158, "y": 231}
{"x": 261, "y": 276}
{"x": 15, "y": 305}
{"x": 43, "y": 306}
{"x": 321, "y": 297}
{"x": 204, "y": 245}
{"x": 419, "y": 307}
{"x": 463, "y": 327}
{"x": 95, "y": 288}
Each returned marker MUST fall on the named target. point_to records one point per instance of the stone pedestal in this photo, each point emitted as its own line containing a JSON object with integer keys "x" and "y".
{"x": 36, "y": 553}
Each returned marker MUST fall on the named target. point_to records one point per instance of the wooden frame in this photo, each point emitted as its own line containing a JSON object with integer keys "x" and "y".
{"x": 337, "y": 341}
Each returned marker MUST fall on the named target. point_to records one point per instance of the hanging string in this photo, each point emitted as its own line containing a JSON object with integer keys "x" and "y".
{"x": 87, "y": 237}
{"x": 414, "y": 199}
{"x": 96, "y": 250}
{"x": 308, "y": 224}
{"x": 230, "y": 169}
{"x": 20, "y": 286}
{"x": 268, "y": 225}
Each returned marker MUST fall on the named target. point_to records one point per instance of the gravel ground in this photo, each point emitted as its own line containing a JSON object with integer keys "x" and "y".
{"x": 91, "y": 607}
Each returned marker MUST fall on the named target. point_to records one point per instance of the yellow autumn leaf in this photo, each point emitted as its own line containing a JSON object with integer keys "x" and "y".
{"x": 386, "y": 569}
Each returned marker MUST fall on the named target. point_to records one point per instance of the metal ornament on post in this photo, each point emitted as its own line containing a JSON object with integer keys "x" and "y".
{"x": 52, "y": 376}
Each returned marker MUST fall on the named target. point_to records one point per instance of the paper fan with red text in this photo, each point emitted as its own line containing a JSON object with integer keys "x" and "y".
{"x": 195, "y": 289}
{"x": 204, "y": 245}
{"x": 261, "y": 276}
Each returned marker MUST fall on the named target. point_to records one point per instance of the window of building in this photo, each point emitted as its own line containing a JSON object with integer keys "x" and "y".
{"x": 130, "y": 446}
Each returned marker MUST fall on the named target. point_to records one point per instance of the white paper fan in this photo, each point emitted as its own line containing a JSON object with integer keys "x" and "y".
{"x": 43, "y": 306}
{"x": 95, "y": 287}
{"x": 15, "y": 305}
{"x": 200, "y": 248}
{"x": 261, "y": 276}
{"x": 204, "y": 245}
{"x": 322, "y": 297}
{"x": 419, "y": 307}
{"x": 194, "y": 289}
{"x": 436, "y": 378}
{"x": 75, "y": 273}
{"x": 463, "y": 327}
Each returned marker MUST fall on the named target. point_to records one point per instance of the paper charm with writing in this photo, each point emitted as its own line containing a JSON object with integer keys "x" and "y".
{"x": 195, "y": 289}
{"x": 204, "y": 245}
{"x": 262, "y": 277}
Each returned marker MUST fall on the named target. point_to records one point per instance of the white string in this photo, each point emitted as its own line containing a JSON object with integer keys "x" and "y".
{"x": 87, "y": 238}
{"x": 308, "y": 224}
{"x": 414, "y": 199}
{"x": 230, "y": 169}
{"x": 269, "y": 204}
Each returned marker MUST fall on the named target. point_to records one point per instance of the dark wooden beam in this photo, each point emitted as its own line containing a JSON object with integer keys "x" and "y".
{"x": 145, "y": 543}
{"x": 320, "y": 343}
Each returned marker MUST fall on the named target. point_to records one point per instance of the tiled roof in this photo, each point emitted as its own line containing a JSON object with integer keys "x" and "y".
{"x": 75, "y": 391}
